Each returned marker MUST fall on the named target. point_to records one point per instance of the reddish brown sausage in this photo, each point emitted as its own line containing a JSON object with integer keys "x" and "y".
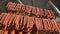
{"x": 56, "y": 26}
{"x": 30, "y": 23}
{"x": 46, "y": 13}
{"x": 23, "y": 8}
{"x": 11, "y": 20}
{"x": 18, "y": 7}
{"x": 5, "y": 31}
{"x": 42, "y": 13}
{"x": 38, "y": 12}
{"x": 17, "y": 22}
{"x": 0, "y": 31}
{"x": 6, "y": 21}
{"x": 34, "y": 10}
{"x": 45, "y": 25}
{"x": 38, "y": 23}
{"x": 25, "y": 21}
{"x": 12, "y": 32}
{"x": 28, "y": 9}
{"x": 20, "y": 33}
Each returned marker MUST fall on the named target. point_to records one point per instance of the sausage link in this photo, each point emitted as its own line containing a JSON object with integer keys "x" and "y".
{"x": 38, "y": 12}
{"x": 56, "y": 26}
{"x": 25, "y": 21}
{"x": 42, "y": 13}
{"x": 18, "y": 7}
{"x": 0, "y": 31}
{"x": 28, "y": 9}
{"x": 34, "y": 10}
{"x": 6, "y": 21}
{"x": 30, "y": 23}
{"x": 12, "y": 32}
{"x": 5, "y": 31}
{"x": 23, "y": 8}
{"x": 45, "y": 25}
{"x": 11, "y": 20}
{"x": 17, "y": 21}
{"x": 20, "y": 33}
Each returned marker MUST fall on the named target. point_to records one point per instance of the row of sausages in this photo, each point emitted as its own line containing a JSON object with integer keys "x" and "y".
{"x": 28, "y": 24}
{"x": 29, "y": 10}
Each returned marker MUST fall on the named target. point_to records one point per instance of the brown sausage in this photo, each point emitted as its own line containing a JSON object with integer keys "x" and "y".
{"x": 45, "y": 11}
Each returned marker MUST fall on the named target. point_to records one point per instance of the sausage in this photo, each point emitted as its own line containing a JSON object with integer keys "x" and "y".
{"x": 21, "y": 21}
{"x": 49, "y": 25}
{"x": 5, "y": 31}
{"x": 38, "y": 12}
{"x": 42, "y": 13}
{"x": 49, "y": 14}
{"x": 56, "y": 26}
{"x": 20, "y": 33}
{"x": 25, "y": 21}
{"x": 11, "y": 20}
{"x": 0, "y": 31}
{"x": 28, "y": 9}
{"x": 45, "y": 13}
{"x": 30, "y": 23}
{"x": 6, "y": 21}
{"x": 53, "y": 26}
{"x": 2, "y": 17}
{"x": 18, "y": 7}
{"x": 38, "y": 24}
{"x": 52, "y": 14}
{"x": 17, "y": 22}
{"x": 12, "y": 32}
{"x": 45, "y": 25}
{"x": 34, "y": 10}
{"x": 23, "y": 8}
{"x": 11, "y": 6}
